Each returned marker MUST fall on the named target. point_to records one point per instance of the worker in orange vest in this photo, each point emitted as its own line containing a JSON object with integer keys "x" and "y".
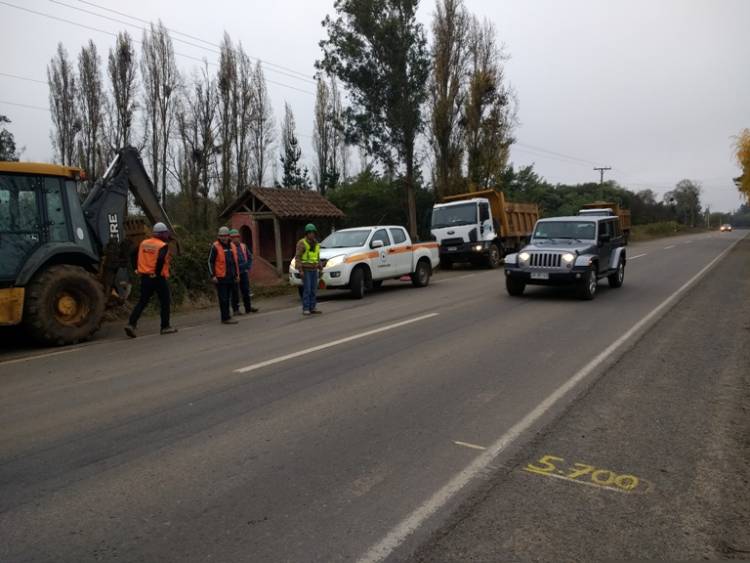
{"x": 245, "y": 258}
{"x": 153, "y": 267}
{"x": 224, "y": 267}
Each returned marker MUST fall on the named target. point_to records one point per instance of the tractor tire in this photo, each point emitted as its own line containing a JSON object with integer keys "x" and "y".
{"x": 64, "y": 305}
{"x": 357, "y": 283}
{"x": 421, "y": 276}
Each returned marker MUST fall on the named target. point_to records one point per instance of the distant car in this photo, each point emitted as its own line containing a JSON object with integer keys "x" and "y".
{"x": 726, "y": 227}
{"x": 575, "y": 250}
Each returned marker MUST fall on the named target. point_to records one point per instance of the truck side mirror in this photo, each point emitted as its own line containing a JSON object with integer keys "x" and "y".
{"x": 376, "y": 244}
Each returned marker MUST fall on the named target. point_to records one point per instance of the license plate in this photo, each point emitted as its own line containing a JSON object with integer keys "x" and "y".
{"x": 539, "y": 276}
{"x": 452, "y": 248}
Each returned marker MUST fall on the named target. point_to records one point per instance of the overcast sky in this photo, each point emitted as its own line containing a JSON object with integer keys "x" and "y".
{"x": 654, "y": 88}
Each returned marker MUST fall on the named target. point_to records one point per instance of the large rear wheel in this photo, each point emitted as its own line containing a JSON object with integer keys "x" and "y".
{"x": 421, "y": 275}
{"x": 587, "y": 286}
{"x": 494, "y": 257}
{"x": 64, "y": 305}
{"x": 357, "y": 283}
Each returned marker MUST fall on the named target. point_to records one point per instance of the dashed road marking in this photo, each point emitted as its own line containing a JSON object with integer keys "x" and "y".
{"x": 468, "y": 445}
{"x": 638, "y": 256}
{"x": 284, "y": 358}
{"x": 668, "y": 247}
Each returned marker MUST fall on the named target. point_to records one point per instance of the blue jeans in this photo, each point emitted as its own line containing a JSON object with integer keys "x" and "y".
{"x": 309, "y": 289}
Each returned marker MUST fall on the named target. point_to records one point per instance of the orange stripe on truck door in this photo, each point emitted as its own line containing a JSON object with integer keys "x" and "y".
{"x": 362, "y": 256}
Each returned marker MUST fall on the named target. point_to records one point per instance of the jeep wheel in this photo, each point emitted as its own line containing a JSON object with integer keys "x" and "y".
{"x": 64, "y": 305}
{"x": 421, "y": 276}
{"x": 616, "y": 279}
{"x": 587, "y": 286}
{"x": 515, "y": 287}
{"x": 493, "y": 257}
{"x": 357, "y": 283}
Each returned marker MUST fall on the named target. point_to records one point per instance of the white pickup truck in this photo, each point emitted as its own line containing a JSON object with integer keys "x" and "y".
{"x": 362, "y": 258}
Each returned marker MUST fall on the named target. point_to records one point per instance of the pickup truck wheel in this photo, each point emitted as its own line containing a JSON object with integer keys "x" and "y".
{"x": 421, "y": 276}
{"x": 493, "y": 257}
{"x": 514, "y": 287}
{"x": 357, "y": 283}
{"x": 615, "y": 280}
{"x": 64, "y": 305}
{"x": 587, "y": 286}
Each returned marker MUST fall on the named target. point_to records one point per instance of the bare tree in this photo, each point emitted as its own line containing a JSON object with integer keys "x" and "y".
{"x": 322, "y": 135}
{"x": 261, "y": 128}
{"x": 196, "y": 119}
{"x": 122, "y": 74}
{"x": 242, "y": 100}
{"x": 63, "y": 101}
{"x": 90, "y": 109}
{"x": 339, "y": 157}
{"x": 450, "y": 29}
{"x": 489, "y": 111}
{"x": 226, "y": 85}
{"x": 161, "y": 81}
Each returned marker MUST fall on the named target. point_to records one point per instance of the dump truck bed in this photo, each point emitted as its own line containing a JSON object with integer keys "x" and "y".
{"x": 623, "y": 214}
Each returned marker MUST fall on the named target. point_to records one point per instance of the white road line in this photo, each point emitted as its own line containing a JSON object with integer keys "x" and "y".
{"x": 468, "y": 445}
{"x": 637, "y": 256}
{"x": 320, "y": 347}
{"x": 668, "y": 247}
{"x": 40, "y": 356}
{"x": 382, "y": 549}
{"x": 465, "y": 276}
{"x": 687, "y": 242}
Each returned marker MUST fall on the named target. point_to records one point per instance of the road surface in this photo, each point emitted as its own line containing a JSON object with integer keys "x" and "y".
{"x": 350, "y": 436}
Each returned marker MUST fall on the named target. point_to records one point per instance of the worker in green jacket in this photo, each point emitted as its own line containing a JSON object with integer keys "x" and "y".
{"x": 308, "y": 263}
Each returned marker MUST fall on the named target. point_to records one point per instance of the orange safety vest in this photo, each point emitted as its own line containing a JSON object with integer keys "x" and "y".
{"x": 148, "y": 255}
{"x": 220, "y": 265}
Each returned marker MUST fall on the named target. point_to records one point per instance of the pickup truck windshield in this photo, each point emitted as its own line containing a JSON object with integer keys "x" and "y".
{"x": 453, "y": 215}
{"x": 583, "y": 230}
{"x": 345, "y": 239}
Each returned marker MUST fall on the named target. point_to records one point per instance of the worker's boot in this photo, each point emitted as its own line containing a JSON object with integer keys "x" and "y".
{"x": 130, "y": 331}
{"x": 230, "y": 322}
{"x": 168, "y": 330}
{"x": 252, "y": 310}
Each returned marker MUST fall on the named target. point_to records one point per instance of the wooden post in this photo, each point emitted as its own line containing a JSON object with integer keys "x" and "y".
{"x": 277, "y": 237}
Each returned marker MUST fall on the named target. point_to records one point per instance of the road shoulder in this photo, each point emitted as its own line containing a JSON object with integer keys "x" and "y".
{"x": 672, "y": 413}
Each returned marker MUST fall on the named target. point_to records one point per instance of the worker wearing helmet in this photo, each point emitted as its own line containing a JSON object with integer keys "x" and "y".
{"x": 153, "y": 267}
{"x": 245, "y": 259}
{"x": 224, "y": 268}
{"x": 307, "y": 259}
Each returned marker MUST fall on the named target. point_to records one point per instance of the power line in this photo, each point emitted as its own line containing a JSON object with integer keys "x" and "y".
{"x": 99, "y": 30}
{"x": 23, "y": 105}
{"x": 555, "y": 153}
{"x": 23, "y": 78}
{"x": 300, "y": 75}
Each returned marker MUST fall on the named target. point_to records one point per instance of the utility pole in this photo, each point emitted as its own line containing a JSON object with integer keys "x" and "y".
{"x": 601, "y": 170}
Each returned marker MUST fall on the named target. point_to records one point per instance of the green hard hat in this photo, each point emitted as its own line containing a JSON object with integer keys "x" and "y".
{"x": 310, "y": 228}
{"x": 233, "y": 232}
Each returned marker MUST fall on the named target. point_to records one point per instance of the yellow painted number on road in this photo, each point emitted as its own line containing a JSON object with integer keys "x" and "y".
{"x": 554, "y": 466}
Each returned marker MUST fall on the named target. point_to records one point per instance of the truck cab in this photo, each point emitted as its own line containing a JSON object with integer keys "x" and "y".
{"x": 362, "y": 258}
{"x": 466, "y": 231}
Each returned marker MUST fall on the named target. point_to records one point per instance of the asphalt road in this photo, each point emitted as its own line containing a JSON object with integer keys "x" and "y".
{"x": 304, "y": 439}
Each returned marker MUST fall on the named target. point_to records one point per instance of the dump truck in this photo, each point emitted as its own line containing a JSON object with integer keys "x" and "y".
{"x": 481, "y": 227}
{"x": 601, "y": 207}
{"x": 62, "y": 262}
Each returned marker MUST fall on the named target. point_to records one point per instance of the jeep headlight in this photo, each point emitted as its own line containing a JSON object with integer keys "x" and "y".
{"x": 568, "y": 258}
{"x": 524, "y": 257}
{"x": 336, "y": 261}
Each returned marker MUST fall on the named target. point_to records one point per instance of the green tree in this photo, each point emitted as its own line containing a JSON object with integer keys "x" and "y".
{"x": 294, "y": 176}
{"x": 742, "y": 154}
{"x": 686, "y": 201}
{"x": 7, "y": 142}
{"x": 378, "y": 50}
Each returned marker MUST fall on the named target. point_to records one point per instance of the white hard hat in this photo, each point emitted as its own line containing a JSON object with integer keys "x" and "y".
{"x": 223, "y": 231}
{"x": 160, "y": 228}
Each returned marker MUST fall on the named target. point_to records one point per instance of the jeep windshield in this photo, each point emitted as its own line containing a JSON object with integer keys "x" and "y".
{"x": 345, "y": 239}
{"x": 454, "y": 215}
{"x": 578, "y": 230}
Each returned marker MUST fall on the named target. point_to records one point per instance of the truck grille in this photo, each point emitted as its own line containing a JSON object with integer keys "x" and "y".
{"x": 452, "y": 242}
{"x": 545, "y": 260}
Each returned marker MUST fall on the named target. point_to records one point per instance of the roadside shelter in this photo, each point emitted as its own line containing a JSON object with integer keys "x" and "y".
{"x": 272, "y": 220}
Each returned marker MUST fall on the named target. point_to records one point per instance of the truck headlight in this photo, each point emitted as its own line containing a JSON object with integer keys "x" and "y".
{"x": 336, "y": 261}
{"x": 524, "y": 257}
{"x": 568, "y": 258}
{"x": 477, "y": 247}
